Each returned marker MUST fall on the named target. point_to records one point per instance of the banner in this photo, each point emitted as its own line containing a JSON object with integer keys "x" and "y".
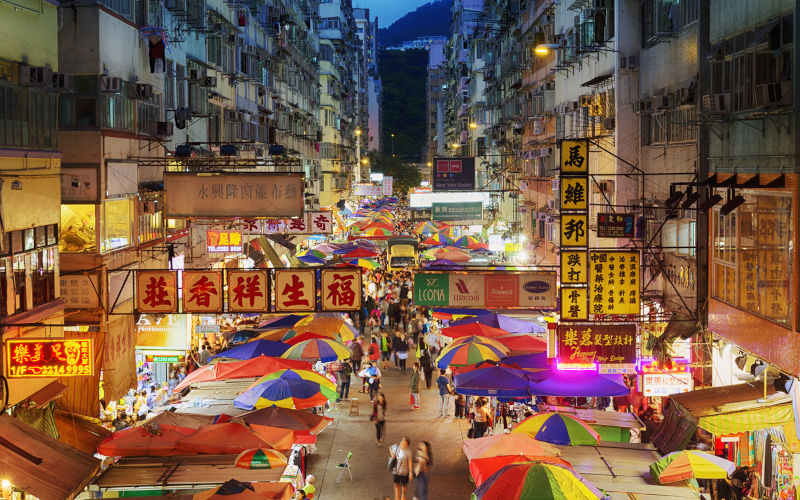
{"x": 574, "y": 303}
{"x": 574, "y": 230}
{"x": 574, "y": 267}
{"x": 223, "y": 241}
{"x": 341, "y": 289}
{"x": 596, "y": 344}
{"x": 574, "y": 193}
{"x": 665, "y": 384}
{"x": 464, "y": 211}
{"x": 387, "y": 185}
{"x": 309, "y": 223}
{"x": 247, "y": 291}
{"x": 614, "y": 283}
{"x": 65, "y": 357}
{"x": 295, "y": 290}
{"x": 202, "y": 291}
{"x": 534, "y": 290}
{"x": 454, "y": 174}
{"x": 156, "y": 291}
{"x": 364, "y": 189}
{"x": 233, "y": 195}
{"x": 575, "y": 157}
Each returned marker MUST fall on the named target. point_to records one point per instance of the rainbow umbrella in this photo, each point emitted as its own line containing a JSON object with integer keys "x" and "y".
{"x": 301, "y": 338}
{"x": 480, "y": 340}
{"x": 467, "y": 241}
{"x": 558, "y": 428}
{"x": 287, "y": 389}
{"x": 260, "y": 458}
{"x": 329, "y": 326}
{"x": 686, "y": 464}
{"x": 365, "y": 263}
{"x": 448, "y": 231}
{"x": 311, "y": 253}
{"x": 324, "y": 350}
{"x": 468, "y": 353}
{"x": 438, "y": 239}
{"x": 379, "y": 225}
{"x": 425, "y": 227}
{"x": 377, "y": 231}
{"x": 537, "y": 480}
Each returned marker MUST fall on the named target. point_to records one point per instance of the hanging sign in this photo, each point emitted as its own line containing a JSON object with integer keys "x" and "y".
{"x": 616, "y": 225}
{"x": 596, "y": 344}
{"x": 574, "y": 157}
{"x": 156, "y": 291}
{"x": 614, "y": 283}
{"x": 574, "y": 303}
{"x": 574, "y": 267}
{"x": 341, "y": 289}
{"x": 61, "y": 357}
{"x": 458, "y": 211}
{"x": 247, "y": 291}
{"x": 479, "y": 290}
{"x": 202, "y": 291}
{"x": 454, "y": 174}
{"x": 665, "y": 384}
{"x": 295, "y": 290}
{"x": 574, "y": 230}
{"x": 223, "y": 241}
{"x": 574, "y": 193}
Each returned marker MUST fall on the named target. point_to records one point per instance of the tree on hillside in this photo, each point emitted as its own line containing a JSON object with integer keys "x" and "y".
{"x": 404, "y": 175}
{"x": 404, "y": 78}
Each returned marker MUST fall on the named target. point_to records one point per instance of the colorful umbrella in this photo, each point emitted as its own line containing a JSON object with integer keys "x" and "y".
{"x": 471, "y": 329}
{"x": 287, "y": 389}
{"x": 523, "y": 343}
{"x": 147, "y": 441}
{"x": 325, "y": 248}
{"x": 329, "y": 326}
{"x": 507, "y": 445}
{"x": 452, "y": 254}
{"x": 233, "y": 437}
{"x": 365, "y": 263}
{"x": 285, "y": 321}
{"x": 379, "y": 225}
{"x": 322, "y": 349}
{"x": 576, "y": 383}
{"x": 686, "y": 464}
{"x": 253, "y": 349}
{"x": 359, "y": 252}
{"x": 236, "y": 490}
{"x": 503, "y": 322}
{"x": 533, "y": 361}
{"x": 496, "y": 381}
{"x": 425, "y": 227}
{"x": 558, "y": 428}
{"x": 438, "y": 239}
{"x": 248, "y": 368}
{"x": 448, "y": 231}
{"x": 286, "y": 418}
{"x": 260, "y": 458}
{"x": 467, "y": 241}
{"x": 378, "y": 232}
{"x": 468, "y": 354}
{"x": 482, "y": 468}
{"x": 477, "y": 338}
{"x": 310, "y": 259}
{"x": 276, "y": 334}
{"x": 311, "y": 253}
{"x": 536, "y": 480}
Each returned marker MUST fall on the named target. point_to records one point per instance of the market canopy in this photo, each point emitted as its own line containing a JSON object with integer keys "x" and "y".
{"x": 248, "y": 368}
{"x": 481, "y": 468}
{"x": 153, "y": 440}
{"x": 542, "y": 481}
{"x": 503, "y": 322}
{"x": 286, "y": 418}
{"x": 507, "y": 445}
{"x": 252, "y": 349}
{"x": 234, "y": 437}
{"x": 235, "y": 490}
{"x": 473, "y": 329}
{"x": 288, "y": 389}
{"x": 576, "y": 383}
{"x": 523, "y": 343}
{"x": 496, "y": 381}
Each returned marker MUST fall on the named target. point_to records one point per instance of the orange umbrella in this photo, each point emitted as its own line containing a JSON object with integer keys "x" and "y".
{"x": 507, "y": 444}
{"x": 233, "y": 437}
{"x": 146, "y": 441}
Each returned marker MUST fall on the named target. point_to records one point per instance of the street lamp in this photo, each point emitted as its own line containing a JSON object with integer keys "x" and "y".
{"x": 358, "y": 155}
{"x": 473, "y": 125}
{"x": 544, "y": 49}
{"x": 392, "y": 145}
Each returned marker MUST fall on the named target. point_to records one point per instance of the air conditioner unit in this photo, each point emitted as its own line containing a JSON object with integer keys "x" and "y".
{"x": 63, "y": 82}
{"x": 209, "y": 81}
{"x": 144, "y": 91}
{"x": 664, "y": 101}
{"x": 717, "y": 103}
{"x": 585, "y": 100}
{"x": 609, "y": 123}
{"x": 110, "y": 84}
{"x": 642, "y": 106}
{"x": 773, "y": 94}
{"x": 196, "y": 75}
{"x": 35, "y": 76}
{"x": 161, "y": 129}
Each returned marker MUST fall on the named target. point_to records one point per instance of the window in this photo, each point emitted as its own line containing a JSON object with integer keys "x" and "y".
{"x": 122, "y": 7}
{"x": 28, "y": 117}
{"x": 150, "y": 226}
{"x": 117, "y": 221}
{"x": 169, "y": 85}
{"x": 663, "y": 18}
{"x": 20, "y": 284}
{"x": 752, "y": 255}
{"x": 329, "y": 23}
{"x": 43, "y": 277}
{"x": 678, "y": 237}
{"x": 180, "y": 86}
{"x": 78, "y": 229}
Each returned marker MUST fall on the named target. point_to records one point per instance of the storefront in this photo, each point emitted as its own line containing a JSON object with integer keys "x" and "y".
{"x": 161, "y": 345}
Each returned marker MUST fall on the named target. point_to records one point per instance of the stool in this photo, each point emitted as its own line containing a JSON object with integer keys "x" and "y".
{"x": 354, "y": 411}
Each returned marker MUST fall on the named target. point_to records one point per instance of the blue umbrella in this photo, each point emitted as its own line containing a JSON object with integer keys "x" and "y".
{"x": 345, "y": 249}
{"x": 503, "y": 322}
{"x": 576, "y": 383}
{"x": 254, "y": 349}
{"x": 498, "y": 381}
{"x": 240, "y": 336}
{"x": 535, "y": 361}
{"x": 287, "y": 321}
{"x": 310, "y": 259}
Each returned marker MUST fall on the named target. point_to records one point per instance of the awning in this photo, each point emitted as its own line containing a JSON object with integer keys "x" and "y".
{"x": 597, "y": 80}
{"x": 41, "y": 465}
{"x": 79, "y": 432}
{"x": 762, "y": 33}
{"x": 20, "y": 389}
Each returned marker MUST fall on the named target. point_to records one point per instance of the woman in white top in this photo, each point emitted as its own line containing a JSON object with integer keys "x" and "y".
{"x": 480, "y": 421}
{"x": 402, "y": 469}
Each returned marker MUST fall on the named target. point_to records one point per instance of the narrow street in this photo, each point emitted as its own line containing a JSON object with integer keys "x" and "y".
{"x": 371, "y": 479}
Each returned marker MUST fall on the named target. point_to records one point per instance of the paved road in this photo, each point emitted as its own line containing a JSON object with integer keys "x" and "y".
{"x": 371, "y": 479}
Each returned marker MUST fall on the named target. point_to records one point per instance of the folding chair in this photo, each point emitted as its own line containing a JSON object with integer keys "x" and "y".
{"x": 345, "y": 465}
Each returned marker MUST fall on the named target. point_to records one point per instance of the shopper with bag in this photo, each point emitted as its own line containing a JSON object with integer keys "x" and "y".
{"x": 422, "y": 468}
{"x": 445, "y": 389}
{"x": 379, "y": 417}
{"x": 414, "y": 399}
{"x": 400, "y": 463}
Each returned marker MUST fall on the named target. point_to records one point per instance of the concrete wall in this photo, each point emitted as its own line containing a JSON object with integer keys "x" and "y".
{"x": 29, "y": 37}
{"x": 732, "y": 16}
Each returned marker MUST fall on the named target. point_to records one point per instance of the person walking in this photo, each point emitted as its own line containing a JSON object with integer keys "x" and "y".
{"x": 386, "y": 349}
{"x": 345, "y": 370}
{"x": 356, "y": 354}
{"x": 422, "y": 468}
{"x": 481, "y": 418}
{"x": 373, "y": 375}
{"x": 415, "y": 385}
{"x": 427, "y": 364}
{"x": 402, "y": 468}
{"x": 444, "y": 393}
{"x": 402, "y": 352}
{"x": 379, "y": 417}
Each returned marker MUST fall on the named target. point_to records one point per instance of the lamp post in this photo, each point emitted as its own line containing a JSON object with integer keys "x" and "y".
{"x": 358, "y": 155}
{"x": 392, "y": 145}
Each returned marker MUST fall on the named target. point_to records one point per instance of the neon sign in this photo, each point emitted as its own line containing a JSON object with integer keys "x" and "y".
{"x": 65, "y": 357}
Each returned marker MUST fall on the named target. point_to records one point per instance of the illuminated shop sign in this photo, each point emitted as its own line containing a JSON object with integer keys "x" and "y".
{"x": 65, "y": 357}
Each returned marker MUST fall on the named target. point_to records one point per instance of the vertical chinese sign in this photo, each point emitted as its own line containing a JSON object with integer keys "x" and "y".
{"x": 202, "y": 291}
{"x": 341, "y": 289}
{"x": 247, "y": 291}
{"x": 157, "y": 292}
{"x": 295, "y": 290}
{"x": 574, "y": 229}
{"x": 614, "y": 283}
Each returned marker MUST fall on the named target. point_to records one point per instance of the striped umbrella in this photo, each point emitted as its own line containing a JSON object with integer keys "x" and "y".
{"x": 287, "y": 389}
{"x": 260, "y": 458}
{"x": 301, "y": 338}
{"x": 467, "y": 241}
{"x": 324, "y": 350}
{"x": 468, "y": 353}
{"x": 448, "y": 231}
{"x": 536, "y": 480}
{"x": 686, "y": 464}
{"x": 438, "y": 239}
{"x": 425, "y": 227}
{"x": 379, "y": 225}
{"x": 558, "y": 428}
{"x": 480, "y": 340}
{"x": 361, "y": 252}
{"x": 378, "y": 231}
{"x": 365, "y": 263}
{"x": 312, "y": 253}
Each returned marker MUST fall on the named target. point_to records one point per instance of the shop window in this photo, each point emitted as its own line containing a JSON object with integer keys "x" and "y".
{"x": 43, "y": 278}
{"x": 150, "y": 226}
{"x": 117, "y": 222}
{"x": 20, "y": 285}
{"x": 78, "y": 229}
{"x": 28, "y": 240}
{"x": 752, "y": 255}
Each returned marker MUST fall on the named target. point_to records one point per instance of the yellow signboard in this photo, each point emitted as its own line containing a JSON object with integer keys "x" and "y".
{"x": 574, "y": 267}
{"x": 574, "y": 157}
{"x": 614, "y": 282}
{"x": 574, "y": 193}
{"x": 573, "y": 304}
{"x": 574, "y": 230}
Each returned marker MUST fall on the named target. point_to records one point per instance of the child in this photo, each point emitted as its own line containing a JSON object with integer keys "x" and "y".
{"x": 459, "y": 406}
{"x": 309, "y": 489}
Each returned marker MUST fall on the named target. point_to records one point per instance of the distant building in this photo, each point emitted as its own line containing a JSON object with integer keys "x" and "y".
{"x": 423, "y": 42}
{"x": 434, "y": 141}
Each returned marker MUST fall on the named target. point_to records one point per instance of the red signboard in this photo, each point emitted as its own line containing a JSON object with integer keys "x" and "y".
{"x": 223, "y": 241}
{"x": 341, "y": 289}
{"x": 202, "y": 291}
{"x": 501, "y": 290}
{"x": 247, "y": 291}
{"x": 157, "y": 291}
{"x": 601, "y": 344}
{"x": 65, "y": 357}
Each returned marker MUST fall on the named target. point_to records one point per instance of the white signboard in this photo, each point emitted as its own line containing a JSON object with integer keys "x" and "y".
{"x": 425, "y": 200}
{"x": 309, "y": 223}
{"x": 80, "y": 292}
{"x": 664, "y": 384}
{"x": 387, "y": 185}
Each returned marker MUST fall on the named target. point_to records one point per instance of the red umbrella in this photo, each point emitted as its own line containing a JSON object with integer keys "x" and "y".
{"x": 380, "y": 225}
{"x": 255, "y": 367}
{"x": 233, "y": 437}
{"x": 525, "y": 343}
{"x": 482, "y": 468}
{"x": 145, "y": 441}
{"x": 304, "y": 336}
{"x": 360, "y": 253}
{"x": 473, "y": 329}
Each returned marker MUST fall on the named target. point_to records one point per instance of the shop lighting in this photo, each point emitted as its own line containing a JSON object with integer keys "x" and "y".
{"x": 691, "y": 198}
{"x": 713, "y": 199}
{"x": 675, "y": 196}
{"x": 473, "y": 125}
{"x": 757, "y": 368}
{"x": 783, "y": 383}
{"x": 734, "y": 202}
{"x": 741, "y": 361}
{"x": 577, "y": 366}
